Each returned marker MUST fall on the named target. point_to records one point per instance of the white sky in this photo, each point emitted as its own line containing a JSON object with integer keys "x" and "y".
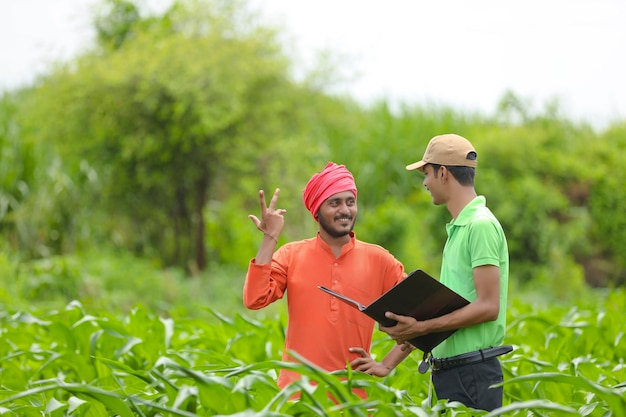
{"x": 463, "y": 53}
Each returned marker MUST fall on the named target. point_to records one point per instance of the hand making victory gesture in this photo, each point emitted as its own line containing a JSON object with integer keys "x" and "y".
{"x": 272, "y": 220}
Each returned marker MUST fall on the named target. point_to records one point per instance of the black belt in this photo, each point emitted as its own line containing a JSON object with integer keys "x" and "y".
{"x": 480, "y": 355}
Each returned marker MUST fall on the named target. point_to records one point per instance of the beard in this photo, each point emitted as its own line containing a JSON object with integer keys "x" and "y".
{"x": 334, "y": 231}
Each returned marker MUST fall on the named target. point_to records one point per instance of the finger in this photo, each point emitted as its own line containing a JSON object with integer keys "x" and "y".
{"x": 255, "y": 220}
{"x": 365, "y": 367}
{"x": 356, "y": 363}
{"x": 360, "y": 351}
{"x": 360, "y": 365}
{"x": 274, "y": 200}
{"x": 391, "y": 331}
{"x": 392, "y": 316}
{"x": 407, "y": 346}
{"x": 262, "y": 202}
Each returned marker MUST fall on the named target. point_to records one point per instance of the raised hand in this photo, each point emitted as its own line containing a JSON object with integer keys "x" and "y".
{"x": 272, "y": 220}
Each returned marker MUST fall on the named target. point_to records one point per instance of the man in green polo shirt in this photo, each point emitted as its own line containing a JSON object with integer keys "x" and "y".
{"x": 476, "y": 265}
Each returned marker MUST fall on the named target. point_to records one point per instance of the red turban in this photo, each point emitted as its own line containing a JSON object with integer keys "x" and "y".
{"x": 331, "y": 180}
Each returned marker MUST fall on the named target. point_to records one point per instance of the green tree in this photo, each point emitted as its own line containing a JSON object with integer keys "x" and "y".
{"x": 116, "y": 22}
{"x": 189, "y": 96}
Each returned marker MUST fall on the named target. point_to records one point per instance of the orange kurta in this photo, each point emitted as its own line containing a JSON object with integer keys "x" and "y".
{"x": 322, "y": 328}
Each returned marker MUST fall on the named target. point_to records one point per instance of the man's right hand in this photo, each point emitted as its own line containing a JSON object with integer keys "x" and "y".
{"x": 272, "y": 220}
{"x": 257, "y": 292}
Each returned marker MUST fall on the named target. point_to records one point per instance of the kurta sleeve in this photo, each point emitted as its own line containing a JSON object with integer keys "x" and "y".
{"x": 264, "y": 283}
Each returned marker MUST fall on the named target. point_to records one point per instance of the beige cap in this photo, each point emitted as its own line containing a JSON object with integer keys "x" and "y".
{"x": 448, "y": 149}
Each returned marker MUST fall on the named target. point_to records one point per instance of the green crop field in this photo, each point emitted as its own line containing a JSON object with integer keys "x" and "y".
{"x": 73, "y": 362}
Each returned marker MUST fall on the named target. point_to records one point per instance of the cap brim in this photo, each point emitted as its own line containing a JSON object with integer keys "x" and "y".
{"x": 416, "y": 165}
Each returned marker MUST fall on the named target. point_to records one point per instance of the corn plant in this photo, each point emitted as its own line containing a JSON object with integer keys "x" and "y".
{"x": 70, "y": 362}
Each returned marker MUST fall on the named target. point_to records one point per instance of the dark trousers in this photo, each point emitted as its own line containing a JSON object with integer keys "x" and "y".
{"x": 469, "y": 384}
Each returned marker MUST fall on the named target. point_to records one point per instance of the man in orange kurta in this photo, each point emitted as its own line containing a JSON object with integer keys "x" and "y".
{"x": 322, "y": 329}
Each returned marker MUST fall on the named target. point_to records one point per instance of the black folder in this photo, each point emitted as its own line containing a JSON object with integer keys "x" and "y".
{"x": 419, "y": 295}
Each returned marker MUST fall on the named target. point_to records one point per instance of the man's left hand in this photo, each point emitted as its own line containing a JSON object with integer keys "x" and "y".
{"x": 367, "y": 364}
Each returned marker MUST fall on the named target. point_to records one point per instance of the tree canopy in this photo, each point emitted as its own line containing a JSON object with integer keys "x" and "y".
{"x": 162, "y": 108}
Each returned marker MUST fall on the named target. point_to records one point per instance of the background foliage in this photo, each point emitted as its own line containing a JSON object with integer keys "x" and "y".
{"x": 126, "y": 178}
{"x": 157, "y": 140}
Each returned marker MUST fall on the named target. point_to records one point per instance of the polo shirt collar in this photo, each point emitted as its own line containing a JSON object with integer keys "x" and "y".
{"x": 468, "y": 211}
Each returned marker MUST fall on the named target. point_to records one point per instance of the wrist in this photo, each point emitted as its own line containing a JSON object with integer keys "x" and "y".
{"x": 265, "y": 234}
{"x": 389, "y": 368}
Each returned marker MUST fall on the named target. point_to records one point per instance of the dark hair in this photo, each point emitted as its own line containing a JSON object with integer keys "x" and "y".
{"x": 464, "y": 175}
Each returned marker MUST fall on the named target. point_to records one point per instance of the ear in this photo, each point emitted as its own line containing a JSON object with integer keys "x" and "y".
{"x": 443, "y": 173}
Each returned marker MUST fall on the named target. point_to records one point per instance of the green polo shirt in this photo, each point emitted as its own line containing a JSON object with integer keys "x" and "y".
{"x": 475, "y": 238}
